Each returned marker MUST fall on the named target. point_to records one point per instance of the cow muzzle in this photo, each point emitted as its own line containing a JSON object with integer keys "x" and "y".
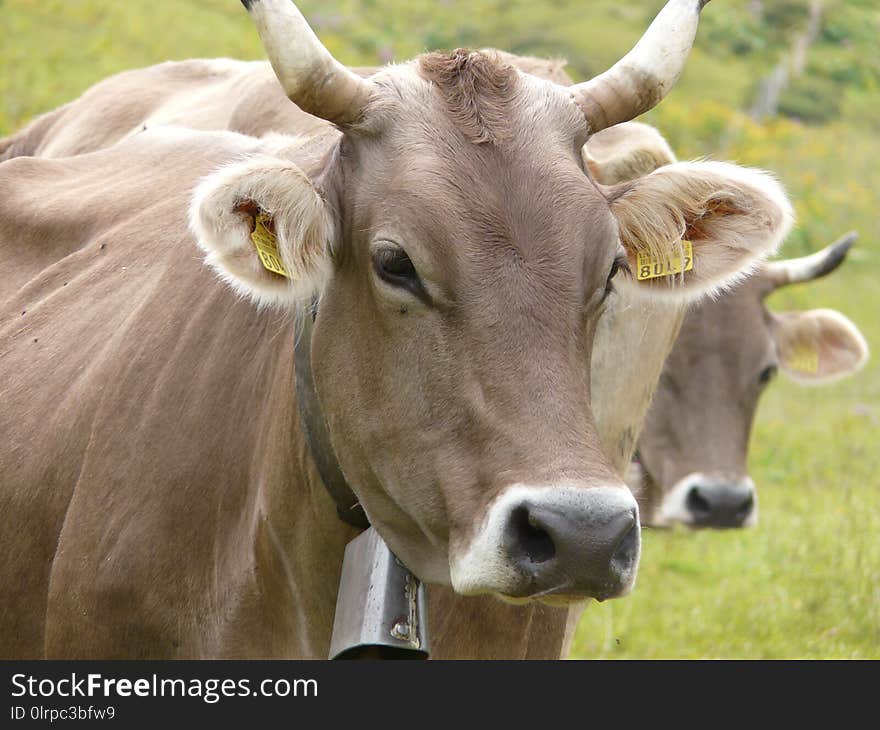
{"x": 701, "y": 500}
{"x": 557, "y": 544}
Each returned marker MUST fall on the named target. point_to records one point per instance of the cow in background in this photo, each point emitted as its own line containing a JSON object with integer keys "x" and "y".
{"x": 727, "y": 351}
{"x": 690, "y": 465}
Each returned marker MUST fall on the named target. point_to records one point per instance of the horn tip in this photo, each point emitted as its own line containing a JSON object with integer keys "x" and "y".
{"x": 849, "y": 238}
{"x": 837, "y": 252}
{"x": 842, "y": 246}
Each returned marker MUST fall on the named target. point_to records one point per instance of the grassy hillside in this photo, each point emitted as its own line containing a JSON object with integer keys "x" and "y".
{"x": 806, "y": 582}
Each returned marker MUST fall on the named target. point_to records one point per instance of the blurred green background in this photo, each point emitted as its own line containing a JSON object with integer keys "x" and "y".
{"x": 806, "y": 581}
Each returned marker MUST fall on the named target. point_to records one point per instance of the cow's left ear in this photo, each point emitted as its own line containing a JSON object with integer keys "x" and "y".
{"x": 264, "y": 228}
{"x": 818, "y": 346}
{"x": 693, "y": 227}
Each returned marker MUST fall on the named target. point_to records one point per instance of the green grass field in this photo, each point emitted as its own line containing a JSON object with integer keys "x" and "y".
{"x": 806, "y": 581}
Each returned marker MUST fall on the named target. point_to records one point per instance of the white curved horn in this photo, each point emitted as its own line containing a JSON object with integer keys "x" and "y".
{"x": 807, "y": 268}
{"x": 640, "y": 80}
{"x": 312, "y": 79}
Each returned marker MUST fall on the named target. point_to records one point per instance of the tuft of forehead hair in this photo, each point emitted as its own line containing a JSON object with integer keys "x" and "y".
{"x": 478, "y": 87}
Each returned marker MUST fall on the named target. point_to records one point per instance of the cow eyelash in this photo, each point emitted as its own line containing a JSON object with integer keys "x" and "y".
{"x": 619, "y": 263}
{"x": 393, "y": 266}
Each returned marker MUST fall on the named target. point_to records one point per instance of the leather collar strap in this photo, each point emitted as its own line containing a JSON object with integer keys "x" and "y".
{"x": 316, "y": 432}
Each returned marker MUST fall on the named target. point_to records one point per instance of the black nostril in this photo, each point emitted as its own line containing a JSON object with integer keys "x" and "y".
{"x": 529, "y": 539}
{"x": 697, "y": 503}
{"x": 627, "y": 549}
{"x": 745, "y": 509}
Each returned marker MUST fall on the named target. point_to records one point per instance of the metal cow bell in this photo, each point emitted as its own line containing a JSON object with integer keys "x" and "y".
{"x": 381, "y": 607}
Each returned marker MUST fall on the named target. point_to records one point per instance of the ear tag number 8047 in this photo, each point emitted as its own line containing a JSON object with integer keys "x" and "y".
{"x": 651, "y": 267}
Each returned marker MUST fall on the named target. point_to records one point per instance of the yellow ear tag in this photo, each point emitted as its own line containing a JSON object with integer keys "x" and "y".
{"x": 266, "y": 243}
{"x": 651, "y": 267}
{"x": 804, "y": 358}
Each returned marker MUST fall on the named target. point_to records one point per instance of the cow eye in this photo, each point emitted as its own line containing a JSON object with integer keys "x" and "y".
{"x": 767, "y": 374}
{"x": 619, "y": 263}
{"x": 394, "y": 266}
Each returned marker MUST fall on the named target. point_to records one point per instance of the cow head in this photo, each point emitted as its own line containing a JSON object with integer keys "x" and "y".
{"x": 693, "y": 449}
{"x": 462, "y": 254}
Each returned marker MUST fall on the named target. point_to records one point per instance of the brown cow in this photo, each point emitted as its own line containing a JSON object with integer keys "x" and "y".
{"x": 726, "y": 353}
{"x": 692, "y": 451}
{"x": 246, "y": 96}
{"x": 166, "y": 503}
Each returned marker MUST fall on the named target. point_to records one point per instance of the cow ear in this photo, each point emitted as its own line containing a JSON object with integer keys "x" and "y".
{"x": 265, "y": 229}
{"x": 818, "y": 346}
{"x": 693, "y": 227}
{"x": 625, "y": 152}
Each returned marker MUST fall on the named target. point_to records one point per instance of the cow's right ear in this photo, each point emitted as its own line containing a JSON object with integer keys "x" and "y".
{"x": 693, "y": 227}
{"x": 265, "y": 229}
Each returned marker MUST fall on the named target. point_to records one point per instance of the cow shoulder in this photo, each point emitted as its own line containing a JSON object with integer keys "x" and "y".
{"x": 53, "y": 208}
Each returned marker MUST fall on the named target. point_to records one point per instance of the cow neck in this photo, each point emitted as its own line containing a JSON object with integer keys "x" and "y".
{"x": 314, "y": 426}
